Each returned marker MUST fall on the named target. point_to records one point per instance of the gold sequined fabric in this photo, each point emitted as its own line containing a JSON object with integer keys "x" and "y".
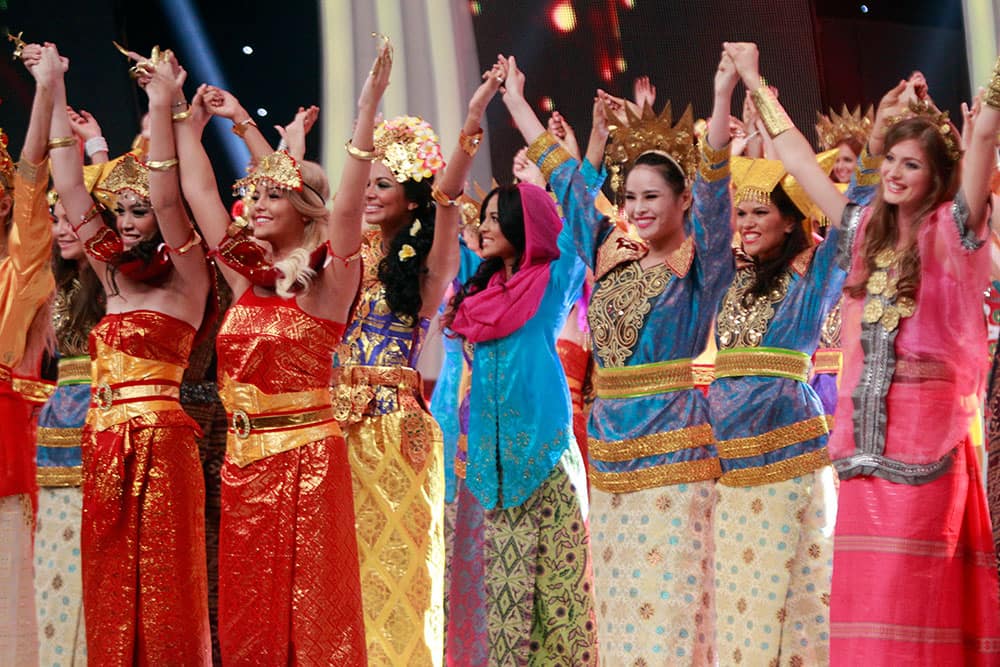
{"x": 743, "y": 325}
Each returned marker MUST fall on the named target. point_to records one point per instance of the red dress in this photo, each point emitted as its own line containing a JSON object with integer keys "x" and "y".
{"x": 145, "y": 591}
{"x": 289, "y": 590}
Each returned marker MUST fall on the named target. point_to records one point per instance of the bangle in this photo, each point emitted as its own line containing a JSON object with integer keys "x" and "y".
{"x": 444, "y": 200}
{"x": 95, "y": 145}
{"x": 161, "y": 165}
{"x": 86, "y": 217}
{"x": 282, "y": 145}
{"x": 992, "y": 95}
{"x": 470, "y": 142}
{"x": 359, "y": 153}
{"x": 771, "y": 112}
{"x": 61, "y": 142}
{"x": 240, "y": 128}
{"x": 181, "y": 115}
{"x": 193, "y": 240}
{"x": 181, "y": 103}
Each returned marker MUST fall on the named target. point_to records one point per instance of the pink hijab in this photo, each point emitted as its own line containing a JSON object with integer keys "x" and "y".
{"x": 504, "y": 305}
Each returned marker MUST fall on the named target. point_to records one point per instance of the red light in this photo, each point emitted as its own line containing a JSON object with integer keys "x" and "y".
{"x": 547, "y": 104}
{"x": 562, "y": 16}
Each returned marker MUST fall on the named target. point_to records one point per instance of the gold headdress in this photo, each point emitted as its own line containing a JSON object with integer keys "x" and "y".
{"x": 6, "y": 165}
{"x": 922, "y": 109}
{"x": 648, "y": 133}
{"x": 278, "y": 169}
{"x": 836, "y": 128}
{"x": 91, "y": 174}
{"x": 124, "y": 173}
{"x": 408, "y": 146}
{"x": 470, "y": 205}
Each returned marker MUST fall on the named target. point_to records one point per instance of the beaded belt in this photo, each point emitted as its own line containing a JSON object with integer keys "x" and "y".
{"x": 643, "y": 379}
{"x": 262, "y": 424}
{"x": 765, "y": 361}
{"x": 827, "y": 360}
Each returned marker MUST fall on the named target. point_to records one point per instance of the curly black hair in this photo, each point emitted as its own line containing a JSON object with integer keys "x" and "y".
{"x": 401, "y": 277}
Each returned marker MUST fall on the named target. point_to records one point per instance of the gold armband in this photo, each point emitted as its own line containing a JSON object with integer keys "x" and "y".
{"x": 61, "y": 142}
{"x": 359, "y": 153}
{"x": 444, "y": 200}
{"x": 181, "y": 115}
{"x": 770, "y": 110}
{"x": 470, "y": 142}
{"x": 193, "y": 240}
{"x": 162, "y": 165}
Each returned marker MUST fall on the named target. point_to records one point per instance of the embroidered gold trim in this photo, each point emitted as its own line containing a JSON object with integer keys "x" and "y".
{"x": 643, "y": 379}
{"x": 680, "y": 260}
{"x": 74, "y": 370}
{"x": 618, "y": 248}
{"x": 649, "y": 478}
{"x": 59, "y": 437}
{"x": 827, "y": 361}
{"x": 6, "y": 377}
{"x": 650, "y": 444}
{"x": 757, "y": 445}
{"x": 619, "y": 306}
{"x": 712, "y": 174}
{"x": 713, "y": 156}
{"x": 34, "y": 391}
{"x": 703, "y": 374}
{"x": 870, "y": 162}
{"x": 777, "y": 472}
{"x": 868, "y": 179}
{"x": 742, "y": 325}
{"x": 766, "y": 361}
{"x": 829, "y": 333}
{"x": 553, "y": 158}
{"x": 63, "y": 476}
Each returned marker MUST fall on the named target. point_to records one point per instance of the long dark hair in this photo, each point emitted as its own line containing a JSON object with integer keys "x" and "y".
{"x": 768, "y": 272}
{"x": 511, "y": 218}
{"x": 401, "y": 277}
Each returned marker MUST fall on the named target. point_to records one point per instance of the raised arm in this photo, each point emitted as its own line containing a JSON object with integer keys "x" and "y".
{"x": 293, "y": 135}
{"x": 791, "y": 146}
{"x": 520, "y": 111}
{"x": 348, "y": 206}
{"x": 981, "y": 154}
{"x": 224, "y": 104}
{"x": 88, "y": 129}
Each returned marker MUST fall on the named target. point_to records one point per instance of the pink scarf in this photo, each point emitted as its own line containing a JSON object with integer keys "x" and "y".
{"x": 506, "y": 304}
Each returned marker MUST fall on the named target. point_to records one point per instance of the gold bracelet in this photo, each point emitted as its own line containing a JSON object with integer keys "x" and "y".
{"x": 240, "y": 128}
{"x": 161, "y": 165}
{"x": 444, "y": 200}
{"x": 470, "y": 142}
{"x": 61, "y": 142}
{"x": 770, "y": 111}
{"x": 992, "y": 95}
{"x": 359, "y": 153}
{"x": 181, "y": 115}
{"x": 193, "y": 240}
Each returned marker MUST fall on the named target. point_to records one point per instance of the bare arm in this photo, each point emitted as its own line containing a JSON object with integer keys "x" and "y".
{"x": 294, "y": 134}
{"x": 223, "y": 103}
{"x": 981, "y": 156}
{"x": 524, "y": 116}
{"x": 725, "y": 81}
{"x": 37, "y": 137}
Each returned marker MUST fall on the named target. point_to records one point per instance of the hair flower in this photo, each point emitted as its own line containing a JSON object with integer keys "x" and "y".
{"x": 406, "y": 252}
{"x": 415, "y": 228}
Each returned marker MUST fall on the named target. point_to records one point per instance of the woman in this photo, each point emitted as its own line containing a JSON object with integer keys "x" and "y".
{"x": 914, "y": 577}
{"x": 143, "y": 537}
{"x": 77, "y": 308}
{"x": 285, "y": 480}
{"x": 524, "y": 467}
{"x": 652, "y": 454}
{"x": 394, "y": 445}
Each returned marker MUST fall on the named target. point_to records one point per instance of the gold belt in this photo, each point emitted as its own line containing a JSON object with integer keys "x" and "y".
{"x": 827, "y": 360}
{"x": 105, "y": 396}
{"x": 64, "y": 476}
{"x": 74, "y": 370}
{"x": 49, "y": 436}
{"x": 763, "y": 361}
{"x": 6, "y": 376}
{"x": 262, "y": 424}
{"x": 33, "y": 391}
{"x": 354, "y": 387}
{"x": 643, "y": 379}
{"x": 703, "y": 374}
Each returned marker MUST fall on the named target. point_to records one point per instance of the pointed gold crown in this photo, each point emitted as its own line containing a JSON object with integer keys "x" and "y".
{"x": 949, "y": 133}
{"x": 278, "y": 169}
{"x": 635, "y": 135}
{"x": 121, "y": 174}
{"x": 835, "y": 128}
{"x": 6, "y": 165}
{"x": 470, "y": 204}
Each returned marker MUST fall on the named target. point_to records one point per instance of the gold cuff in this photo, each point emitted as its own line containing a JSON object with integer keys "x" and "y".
{"x": 240, "y": 128}
{"x": 61, "y": 142}
{"x": 444, "y": 200}
{"x": 713, "y": 156}
{"x": 193, "y": 240}
{"x": 162, "y": 165}
{"x": 470, "y": 142}
{"x": 359, "y": 153}
{"x": 181, "y": 115}
{"x": 772, "y": 114}
{"x": 991, "y": 96}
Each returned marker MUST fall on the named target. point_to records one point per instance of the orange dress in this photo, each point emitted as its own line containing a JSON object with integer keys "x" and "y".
{"x": 143, "y": 533}
{"x": 289, "y": 590}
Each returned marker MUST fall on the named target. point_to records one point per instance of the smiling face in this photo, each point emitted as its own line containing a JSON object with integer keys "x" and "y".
{"x": 493, "y": 243}
{"x": 844, "y": 164}
{"x": 906, "y": 175}
{"x": 134, "y": 219}
{"x": 70, "y": 245}
{"x": 652, "y": 205}
{"x": 275, "y": 219}
{"x": 386, "y": 204}
{"x": 762, "y": 229}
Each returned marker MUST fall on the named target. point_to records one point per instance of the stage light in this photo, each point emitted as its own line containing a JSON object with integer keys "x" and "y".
{"x": 547, "y": 104}
{"x": 248, "y": 49}
{"x": 864, "y": 9}
{"x": 621, "y": 64}
{"x": 261, "y": 112}
{"x": 562, "y": 16}
{"x": 475, "y": 8}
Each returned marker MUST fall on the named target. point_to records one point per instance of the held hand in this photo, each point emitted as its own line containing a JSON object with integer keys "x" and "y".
{"x": 746, "y": 59}
{"x": 200, "y": 115}
{"x": 562, "y": 131}
{"x": 378, "y": 77}
{"x": 892, "y": 104}
{"x": 49, "y": 68}
{"x": 223, "y": 103}
{"x": 83, "y": 124}
{"x": 165, "y": 82}
{"x": 643, "y": 92}
{"x": 492, "y": 82}
{"x": 726, "y": 76}
{"x": 526, "y": 171}
{"x": 515, "y": 81}
{"x": 969, "y": 116}
{"x": 30, "y": 55}
{"x": 599, "y": 125}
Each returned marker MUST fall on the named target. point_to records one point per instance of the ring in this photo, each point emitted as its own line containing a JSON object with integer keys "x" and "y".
{"x": 500, "y": 78}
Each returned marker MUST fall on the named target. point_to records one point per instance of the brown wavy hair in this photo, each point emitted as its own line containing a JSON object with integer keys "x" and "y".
{"x": 883, "y": 226}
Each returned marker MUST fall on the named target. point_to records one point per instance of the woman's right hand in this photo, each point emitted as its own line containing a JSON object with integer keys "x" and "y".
{"x": 891, "y": 105}
{"x": 378, "y": 77}
{"x": 746, "y": 58}
{"x": 514, "y": 85}
{"x": 561, "y": 130}
{"x": 222, "y": 103}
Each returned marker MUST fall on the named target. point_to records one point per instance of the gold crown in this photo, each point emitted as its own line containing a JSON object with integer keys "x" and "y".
{"x": 278, "y": 169}
{"x": 6, "y": 165}
{"x": 123, "y": 173}
{"x": 940, "y": 119}
{"x": 836, "y": 128}
{"x": 635, "y": 135}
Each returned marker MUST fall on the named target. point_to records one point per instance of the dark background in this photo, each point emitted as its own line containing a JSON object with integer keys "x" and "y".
{"x": 817, "y": 52}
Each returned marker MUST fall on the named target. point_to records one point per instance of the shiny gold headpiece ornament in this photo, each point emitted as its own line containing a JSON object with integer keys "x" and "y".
{"x": 124, "y": 173}
{"x": 836, "y": 128}
{"x": 470, "y": 205}
{"x": 635, "y": 135}
{"x": 940, "y": 119}
{"x": 279, "y": 169}
{"x": 19, "y": 44}
{"x": 145, "y": 67}
{"x": 6, "y": 165}
{"x": 408, "y": 146}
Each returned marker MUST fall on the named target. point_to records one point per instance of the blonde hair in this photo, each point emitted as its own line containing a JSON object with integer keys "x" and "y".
{"x": 294, "y": 268}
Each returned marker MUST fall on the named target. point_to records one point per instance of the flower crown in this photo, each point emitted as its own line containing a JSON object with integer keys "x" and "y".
{"x": 408, "y": 146}
{"x": 836, "y": 128}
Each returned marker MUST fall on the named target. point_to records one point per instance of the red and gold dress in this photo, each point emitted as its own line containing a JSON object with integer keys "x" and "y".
{"x": 143, "y": 534}
{"x": 289, "y": 589}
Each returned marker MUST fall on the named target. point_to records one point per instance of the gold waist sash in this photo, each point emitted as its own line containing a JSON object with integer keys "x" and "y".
{"x": 353, "y": 387}
{"x": 763, "y": 361}
{"x": 125, "y": 387}
{"x": 60, "y": 476}
{"x": 262, "y": 424}
{"x": 827, "y": 360}
{"x": 59, "y": 437}
{"x": 74, "y": 370}
{"x": 6, "y": 375}
{"x": 644, "y": 379}
{"x": 33, "y": 391}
